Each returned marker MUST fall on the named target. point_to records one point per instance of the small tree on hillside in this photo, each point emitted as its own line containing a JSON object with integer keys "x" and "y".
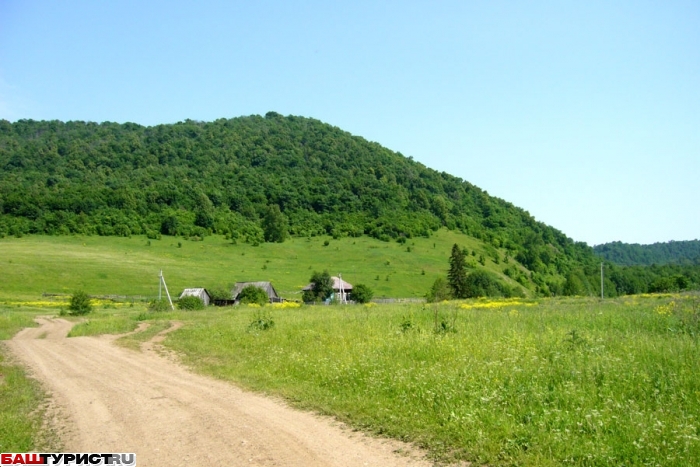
{"x": 169, "y": 225}
{"x": 457, "y": 275}
{"x": 275, "y": 225}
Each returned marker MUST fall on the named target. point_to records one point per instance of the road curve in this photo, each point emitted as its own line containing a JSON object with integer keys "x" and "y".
{"x": 119, "y": 400}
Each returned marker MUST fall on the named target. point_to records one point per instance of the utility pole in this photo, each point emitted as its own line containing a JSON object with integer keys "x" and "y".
{"x": 601, "y": 281}
{"x": 163, "y": 284}
{"x": 342, "y": 289}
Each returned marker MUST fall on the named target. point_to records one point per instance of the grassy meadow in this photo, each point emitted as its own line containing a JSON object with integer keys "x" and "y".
{"x": 33, "y": 265}
{"x": 558, "y": 382}
{"x": 546, "y": 382}
{"x": 551, "y": 382}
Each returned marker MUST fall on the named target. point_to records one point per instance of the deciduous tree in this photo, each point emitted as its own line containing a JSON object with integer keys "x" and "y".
{"x": 275, "y": 225}
{"x": 321, "y": 289}
{"x": 362, "y": 293}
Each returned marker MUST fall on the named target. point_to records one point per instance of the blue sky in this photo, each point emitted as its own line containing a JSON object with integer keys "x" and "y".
{"x": 586, "y": 114}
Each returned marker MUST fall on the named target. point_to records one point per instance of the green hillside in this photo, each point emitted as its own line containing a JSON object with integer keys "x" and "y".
{"x": 33, "y": 265}
{"x": 258, "y": 181}
{"x": 229, "y": 176}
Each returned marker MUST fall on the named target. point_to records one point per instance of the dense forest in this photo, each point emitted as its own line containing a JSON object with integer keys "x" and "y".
{"x": 257, "y": 179}
{"x": 626, "y": 254}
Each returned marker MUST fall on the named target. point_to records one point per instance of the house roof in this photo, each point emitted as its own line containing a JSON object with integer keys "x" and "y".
{"x": 266, "y": 286}
{"x": 195, "y": 292}
{"x": 336, "y": 284}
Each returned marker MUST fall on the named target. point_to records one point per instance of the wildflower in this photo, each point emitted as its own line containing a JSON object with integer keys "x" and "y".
{"x": 666, "y": 310}
{"x": 495, "y": 304}
{"x": 285, "y": 305}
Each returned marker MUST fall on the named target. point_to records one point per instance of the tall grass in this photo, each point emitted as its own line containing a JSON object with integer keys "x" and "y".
{"x": 562, "y": 382}
{"x": 555, "y": 382}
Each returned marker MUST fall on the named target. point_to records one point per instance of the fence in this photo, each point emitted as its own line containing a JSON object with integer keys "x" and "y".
{"x": 105, "y": 297}
{"x": 398, "y": 300}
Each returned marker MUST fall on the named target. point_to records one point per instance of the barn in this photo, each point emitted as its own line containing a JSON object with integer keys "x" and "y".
{"x": 266, "y": 286}
{"x": 199, "y": 292}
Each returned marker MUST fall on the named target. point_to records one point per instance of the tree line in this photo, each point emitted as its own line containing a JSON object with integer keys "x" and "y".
{"x": 634, "y": 254}
{"x": 464, "y": 280}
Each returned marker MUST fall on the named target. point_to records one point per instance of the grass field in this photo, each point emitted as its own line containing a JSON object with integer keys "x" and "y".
{"x": 561, "y": 382}
{"x": 553, "y": 382}
{"x": 33, "y": 265}
{"x": 514, "y": 382}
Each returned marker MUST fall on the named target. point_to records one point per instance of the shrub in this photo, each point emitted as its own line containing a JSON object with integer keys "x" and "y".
{"x": 263, "y": 321}
{"x": 406, "y": 324}
{"x": 252, "y": 294}
{"x": 220, "y": 293}
{"x": 158, "y": 305}
{"x": 439, "y": 291}
{"x": 190, "y": 303}
{"x": 362, "y": 293}
{"x": 79, "y": 303}
{"x": 484, "y": 284}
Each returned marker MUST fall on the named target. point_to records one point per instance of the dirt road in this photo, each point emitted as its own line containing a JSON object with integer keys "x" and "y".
{"x": 120, "y": 400}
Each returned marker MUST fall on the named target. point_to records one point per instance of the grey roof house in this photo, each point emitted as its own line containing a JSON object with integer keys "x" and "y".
{"x": 341, "y": 289}
{"x": 198, "y": 292}
{"x": 266, "y": 286}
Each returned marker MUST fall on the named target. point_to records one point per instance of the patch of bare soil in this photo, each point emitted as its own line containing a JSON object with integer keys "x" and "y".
{"x": 118, "y": 400}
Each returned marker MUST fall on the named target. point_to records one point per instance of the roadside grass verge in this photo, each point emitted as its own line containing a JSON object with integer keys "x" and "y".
{"x": 13, "y": 319}
{"x": 20, "y": 396}
{"x": 560, "y": 382}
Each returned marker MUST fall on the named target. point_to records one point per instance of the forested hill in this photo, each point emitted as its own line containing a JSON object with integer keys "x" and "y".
{"x": 626, "y": 254}
{"x": 235, "y": 176}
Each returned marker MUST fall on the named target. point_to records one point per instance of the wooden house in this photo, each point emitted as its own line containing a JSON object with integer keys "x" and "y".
{"x": 266, "y": 286}
{"x": 200, "y": 293}
{"x": 341, "y": 289}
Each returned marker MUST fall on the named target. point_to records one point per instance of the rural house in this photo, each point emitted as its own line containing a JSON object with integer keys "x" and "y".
{"x": 266, "y": 286}
{"x": 200, "y": 293}
{"x": 341, "y": 289}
